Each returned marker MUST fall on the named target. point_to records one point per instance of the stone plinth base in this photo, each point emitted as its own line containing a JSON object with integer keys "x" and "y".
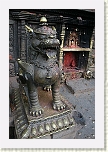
{"x": 51, "y": 124}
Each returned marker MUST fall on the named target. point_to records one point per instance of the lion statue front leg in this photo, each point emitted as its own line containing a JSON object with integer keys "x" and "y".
{"x": 57, "y": 103}
{"x": 35, "y": 108}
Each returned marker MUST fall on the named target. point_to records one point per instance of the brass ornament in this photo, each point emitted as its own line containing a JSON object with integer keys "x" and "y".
{"x": 54, "y": 126}
{"x": 65, "y": 121}
{"x": 33, "y": 131}
{"x": 47, "y": 127}
{"x": 43, "y": 19}
{"x": 41, "y": 129}
{"x": 60, "y": 123}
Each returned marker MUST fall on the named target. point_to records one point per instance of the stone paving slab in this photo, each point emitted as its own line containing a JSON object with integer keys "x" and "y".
{"x": 84, "y": 103}
{"x": 80, "y": 85}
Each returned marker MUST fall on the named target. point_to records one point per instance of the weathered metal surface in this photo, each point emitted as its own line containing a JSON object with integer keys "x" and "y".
{"x": 83, "y": 102}
{"x": 43, "y": 69}
{"x": 51, "y": 122}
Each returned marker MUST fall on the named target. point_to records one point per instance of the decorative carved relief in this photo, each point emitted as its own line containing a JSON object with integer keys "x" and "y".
{"x": 30, "y": 52}
{"x": 23, "y": 41}
{"x": 11, "y": 41}
{"x": 11, "y": 50}
{"x": 72, "y": 40}
{"x": 11, "y": 69}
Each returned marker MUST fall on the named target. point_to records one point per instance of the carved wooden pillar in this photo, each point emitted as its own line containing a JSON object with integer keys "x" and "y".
{"x": 61, "y": 46}
{"x": 91, "y": 58}
{"x": 12, "y": 48}
{"x": 23, "y": 41}
{"x": 92, "y": 43}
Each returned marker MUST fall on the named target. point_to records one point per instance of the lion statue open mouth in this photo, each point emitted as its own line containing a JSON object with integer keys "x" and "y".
{"x": 43, "y": 69}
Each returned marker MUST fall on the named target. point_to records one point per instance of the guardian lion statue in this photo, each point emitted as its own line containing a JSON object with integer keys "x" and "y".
{"x": 43, "y": 69}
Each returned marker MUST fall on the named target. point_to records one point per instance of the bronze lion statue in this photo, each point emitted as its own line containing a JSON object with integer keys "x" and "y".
{"x": 43, "y": 69}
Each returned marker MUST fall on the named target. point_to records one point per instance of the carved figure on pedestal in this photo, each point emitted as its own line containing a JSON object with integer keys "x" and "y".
{"x": 43, "y": 69}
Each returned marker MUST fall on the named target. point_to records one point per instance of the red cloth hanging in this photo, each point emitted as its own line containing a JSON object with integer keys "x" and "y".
{"x": 69, "y": 59}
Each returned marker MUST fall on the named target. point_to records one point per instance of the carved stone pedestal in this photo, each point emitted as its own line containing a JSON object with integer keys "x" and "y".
{"x": 51, "y": 124}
